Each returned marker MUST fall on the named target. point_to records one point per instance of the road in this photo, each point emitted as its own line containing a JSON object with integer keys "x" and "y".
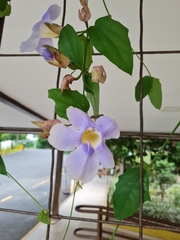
{"x": 31, "y": 168}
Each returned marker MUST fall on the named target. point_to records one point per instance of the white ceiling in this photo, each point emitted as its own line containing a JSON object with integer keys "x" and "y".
{"x": 27, "y": 79}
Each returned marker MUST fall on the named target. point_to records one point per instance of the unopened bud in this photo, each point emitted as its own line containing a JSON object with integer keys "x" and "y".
{"x": 68, "y": 79}
{"x": 98, "y": 74}
{"x": 54, "y": 57}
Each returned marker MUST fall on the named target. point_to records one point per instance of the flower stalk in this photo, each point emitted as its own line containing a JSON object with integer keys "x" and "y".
{"x": 106, "y": 8}
{"x": 74, "y": 194}
{"x": 10, "y": 176}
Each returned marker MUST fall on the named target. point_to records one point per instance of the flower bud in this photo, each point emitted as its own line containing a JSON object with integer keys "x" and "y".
{"x": 68, "y": 79}
{"x": 98, "y": 74}
{"x": 84, "y": 14}
{"x": 54, "y": 57}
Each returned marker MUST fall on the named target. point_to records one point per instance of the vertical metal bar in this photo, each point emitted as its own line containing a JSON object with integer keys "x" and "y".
{"x": 141, "y": 120}
{"x": 1, "y": 28}
{"x": 60, "y": 154}
{"x": 53, "y": 151}
{"x": 57, "y": 184}
{"x": 50, "y": 191}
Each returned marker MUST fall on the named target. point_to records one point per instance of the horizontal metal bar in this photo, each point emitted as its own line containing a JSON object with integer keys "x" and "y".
{"x": 96, "y": 54}
{"x": 174, "y": 137}
{"x": 20, "y": 55}
{"x": 59, "y": 217}
{"x": 152, "y": 135}
{"x": 20, "y": 130}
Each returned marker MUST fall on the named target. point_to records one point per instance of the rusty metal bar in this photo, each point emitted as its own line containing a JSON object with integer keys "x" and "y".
{"x": 20, "y": 130}
{"x": 59, "y": 157}
{"x": 59, "y": 217}
{"x": 50, "y": 191}
{"x": 147, "y": 135}
{"x": 57, "y": 184}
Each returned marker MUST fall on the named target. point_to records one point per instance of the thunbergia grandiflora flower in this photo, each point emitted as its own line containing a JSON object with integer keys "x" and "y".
{"x": 43, "y": 31}
{"x": 86, "y": 139}
{"x": 54, "y": 57}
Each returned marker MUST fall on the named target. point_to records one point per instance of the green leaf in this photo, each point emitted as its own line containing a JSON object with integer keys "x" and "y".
{"x": 92, "y": 90}
{"x": 2, "y": 167}
{"x": 155, "y": 95}
{"x": 111, "y": 39}
{"x": 147, "y": 85}
{"x": 71, "y": 45}
{"x": 87, "y": 83}
{"x": 87, "y": 50}
{"x": 3, "y": 5}
{"x": 6, "y": 11}
{"x": 126, "y": 195}
{"x": 66, "y": 99}
{"x": 44, "y": 217}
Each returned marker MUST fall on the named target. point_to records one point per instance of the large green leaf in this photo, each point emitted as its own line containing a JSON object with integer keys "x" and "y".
{"x": 3, "y": 5}
{"x": 111, "y": 39}
{"x": 155, "y": 95}
{"x": 147, "y": 85}
{"x": 6, "y": 11}
{"x": 92, "y": 90}
{"x": 2, "y": 167}
{"x": 126, "y": 195}
{"x": 71, "y": 45}
{"x": 66, "y": 99}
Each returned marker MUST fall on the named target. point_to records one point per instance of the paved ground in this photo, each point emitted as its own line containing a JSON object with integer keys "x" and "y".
{"x": 31, "y": 168}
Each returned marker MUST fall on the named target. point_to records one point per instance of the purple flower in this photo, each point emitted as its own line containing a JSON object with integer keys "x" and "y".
{"x": 43, "y": 31}
{"x": 86, "y": 139}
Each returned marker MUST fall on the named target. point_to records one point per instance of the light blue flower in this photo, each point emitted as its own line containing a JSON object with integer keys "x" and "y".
{"x": 86, "y": 139}
{"x": 41, "y": 33}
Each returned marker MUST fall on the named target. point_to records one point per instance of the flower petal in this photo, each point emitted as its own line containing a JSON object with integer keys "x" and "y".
{"x": 108, "y": 127}
{"x": 104, "y": 156}
{"x": 82, "y": 164}
{"x": 64, "y": 138}
{"x": 79, "y": 119}
{"x": 52, "y": 13}
{"x": 30, "y": 44}
{"x": 43, "y": 41}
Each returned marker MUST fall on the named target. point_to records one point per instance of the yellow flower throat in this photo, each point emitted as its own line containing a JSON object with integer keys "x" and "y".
{"x": 92, "y": 137}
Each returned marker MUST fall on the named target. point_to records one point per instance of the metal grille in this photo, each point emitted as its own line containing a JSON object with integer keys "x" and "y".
{"x": 141, "y": 135}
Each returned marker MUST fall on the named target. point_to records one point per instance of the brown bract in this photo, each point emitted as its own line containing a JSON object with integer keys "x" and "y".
{"x": 45, "y": 126}
{"x": 68, "y": 79}
{"x": 84, "y": 14}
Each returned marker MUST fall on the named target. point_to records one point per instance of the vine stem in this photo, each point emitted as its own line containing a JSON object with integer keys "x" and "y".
{"x": 115, "y": 230}
{"x": 10, "y": 176}
{"x": 142, "y": 62}
{"x": 67, "y": 228}
{"x": 106, "y": 8}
